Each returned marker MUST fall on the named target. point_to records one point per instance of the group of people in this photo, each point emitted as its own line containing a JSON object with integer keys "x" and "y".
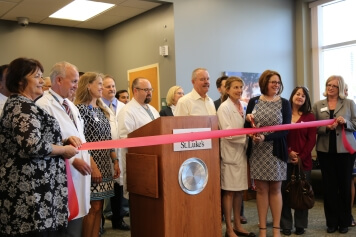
{"x": 49, "y": 187}
{"x": 272, "y": 155}
{"x": 42, "y": 132}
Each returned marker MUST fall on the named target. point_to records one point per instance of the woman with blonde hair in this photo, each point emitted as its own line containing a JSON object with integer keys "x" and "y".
{"x": 336, "y": 162}
{"x": 96, "y": 128}
{"x": 173, "y": 95}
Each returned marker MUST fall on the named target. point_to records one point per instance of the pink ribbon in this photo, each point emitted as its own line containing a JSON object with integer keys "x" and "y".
{"x": 182, "y": 137}
{"x": 346, "y": 143}
{"x": 72, "y": 195}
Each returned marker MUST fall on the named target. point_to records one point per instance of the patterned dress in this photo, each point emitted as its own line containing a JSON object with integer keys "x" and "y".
{"x": 33, "y": 185}
{"x": 97, "y": 128}
{"x": 263, "y": 165}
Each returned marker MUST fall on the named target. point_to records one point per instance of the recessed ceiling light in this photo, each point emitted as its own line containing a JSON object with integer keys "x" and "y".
{"x": 81, "y": 10}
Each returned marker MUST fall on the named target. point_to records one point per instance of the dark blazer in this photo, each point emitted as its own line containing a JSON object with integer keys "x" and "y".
{"x": 167, "y": 111}
{"x": 279, "y": 138}
{"x": 217, "y": 103}
{"x": 345, "y": 108}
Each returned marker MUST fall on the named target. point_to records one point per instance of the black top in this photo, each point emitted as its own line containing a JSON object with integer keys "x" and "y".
{"x": 167, "y": 111}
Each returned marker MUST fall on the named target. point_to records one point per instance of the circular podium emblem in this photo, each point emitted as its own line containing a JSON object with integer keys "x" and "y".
{"x": 193, "y": 176}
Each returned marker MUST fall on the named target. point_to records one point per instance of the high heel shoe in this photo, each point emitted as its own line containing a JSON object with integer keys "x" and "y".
{"x": 248, "y": 234}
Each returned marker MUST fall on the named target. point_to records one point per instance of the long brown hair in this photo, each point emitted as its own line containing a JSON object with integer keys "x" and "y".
{"x": 83, "y": 96}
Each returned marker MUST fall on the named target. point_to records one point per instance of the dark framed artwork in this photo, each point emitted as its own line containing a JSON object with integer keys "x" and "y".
{"x": 251, "y": 88}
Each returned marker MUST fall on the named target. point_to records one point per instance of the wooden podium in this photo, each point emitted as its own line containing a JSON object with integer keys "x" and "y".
{"x": 158, "y": 205}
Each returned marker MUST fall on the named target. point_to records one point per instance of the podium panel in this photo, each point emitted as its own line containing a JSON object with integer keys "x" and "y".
{"x": 171, "y": 211}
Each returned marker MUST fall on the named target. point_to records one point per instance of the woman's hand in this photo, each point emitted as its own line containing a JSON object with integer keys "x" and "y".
{"x": 96, "y": 176}
{"x": 333, "y": 125}
{"x": 249, "y": 117}
{"x": 74, "y": 141}
{"x": 69, "y": 151}
{"x": 340, "y": 120}
{"x": 257, "y": 138}
{"x": 116, "y": 170}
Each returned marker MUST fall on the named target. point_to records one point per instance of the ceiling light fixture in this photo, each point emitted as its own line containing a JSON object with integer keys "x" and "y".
{"x": 81, "y": 10}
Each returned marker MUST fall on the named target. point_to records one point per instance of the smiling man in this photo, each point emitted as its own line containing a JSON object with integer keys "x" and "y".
{"x": 55, "y": 101}
{"x": 197, "y": 102}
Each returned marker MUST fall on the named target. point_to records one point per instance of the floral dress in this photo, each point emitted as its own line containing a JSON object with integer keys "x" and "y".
{"x": 33, "y": 184}
{"x": 97, "y": 128}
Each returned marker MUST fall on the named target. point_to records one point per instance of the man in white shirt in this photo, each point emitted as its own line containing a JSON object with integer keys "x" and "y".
{"x": 113, "y": 106}
{"x": 134, "y": 115}
{"x": 4, "y": 92}
{"x": 197, "y": 102}
{"x": 65, "y": 77}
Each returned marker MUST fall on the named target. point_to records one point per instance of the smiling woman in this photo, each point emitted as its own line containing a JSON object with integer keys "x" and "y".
{"x": 33, "y": 193}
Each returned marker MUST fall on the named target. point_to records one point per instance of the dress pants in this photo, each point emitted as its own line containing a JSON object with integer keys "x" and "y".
{"x": 336, "y": 170}
{"x": 116, "y": 204}
{"x": 300, "y": 216}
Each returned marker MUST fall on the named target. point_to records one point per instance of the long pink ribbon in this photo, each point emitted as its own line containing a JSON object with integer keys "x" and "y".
{"x": 72, "y": 195}
{"x": 346, "y": 143}
{"x": 173, "y": 138}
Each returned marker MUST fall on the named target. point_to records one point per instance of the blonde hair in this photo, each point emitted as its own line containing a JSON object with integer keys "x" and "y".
{"x": 340, "y": 83}
{"x": 170, "y": 94}
{"x": 83, "y": 96}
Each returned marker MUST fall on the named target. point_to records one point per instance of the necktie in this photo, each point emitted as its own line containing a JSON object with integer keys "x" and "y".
{"x": 68, "y": 111}
{"x": 72, "y": 196}
{"x": 149, "y": 112}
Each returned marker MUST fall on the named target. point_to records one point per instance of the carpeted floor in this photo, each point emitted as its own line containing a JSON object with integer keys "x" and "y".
{"x": 316, "y": 227}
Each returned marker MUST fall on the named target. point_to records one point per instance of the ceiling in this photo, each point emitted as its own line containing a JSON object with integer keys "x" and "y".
{"x": 38, "y": 11}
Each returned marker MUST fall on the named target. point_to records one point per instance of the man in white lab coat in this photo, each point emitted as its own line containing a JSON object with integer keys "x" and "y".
{"x": 113, "y": 106}
{"x": 64, "y": 77}
{"x": 134, "y": 115}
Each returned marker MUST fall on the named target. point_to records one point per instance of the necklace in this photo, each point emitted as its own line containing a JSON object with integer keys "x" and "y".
{"x": 239, "y": 108}
{"x": 265, "y": 98}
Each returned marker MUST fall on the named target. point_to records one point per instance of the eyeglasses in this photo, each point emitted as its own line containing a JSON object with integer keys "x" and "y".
{"x": 145, "y": 89}
{"x": 180, "y": 93}
{"x": 333, "y": 86}
{"x": 275, "y": 82}
{"x": 303, "y": 87}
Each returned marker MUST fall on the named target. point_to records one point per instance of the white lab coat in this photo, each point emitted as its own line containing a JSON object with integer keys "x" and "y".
{"x": 81, "y": 182}
{"x": 233, "y": 148}
{"x": 132, "y": 117}
{"x": 114, "y": 125}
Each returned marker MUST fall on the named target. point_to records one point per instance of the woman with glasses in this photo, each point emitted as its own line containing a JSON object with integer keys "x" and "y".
{"x": 336, "y": 162}
{"x": 268, "y": 152}
{"x": 300, "y": 145}
{"x": 173, "y": 95}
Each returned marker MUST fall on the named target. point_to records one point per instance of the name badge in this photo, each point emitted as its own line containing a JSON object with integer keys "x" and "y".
{"x": 324, "y": 109}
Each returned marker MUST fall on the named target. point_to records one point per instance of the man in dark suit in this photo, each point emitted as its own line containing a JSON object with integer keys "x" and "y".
{"x": 220, "y": 85}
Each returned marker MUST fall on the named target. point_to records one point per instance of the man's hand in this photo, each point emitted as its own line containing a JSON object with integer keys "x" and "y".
{"x": 81, "y": 166}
